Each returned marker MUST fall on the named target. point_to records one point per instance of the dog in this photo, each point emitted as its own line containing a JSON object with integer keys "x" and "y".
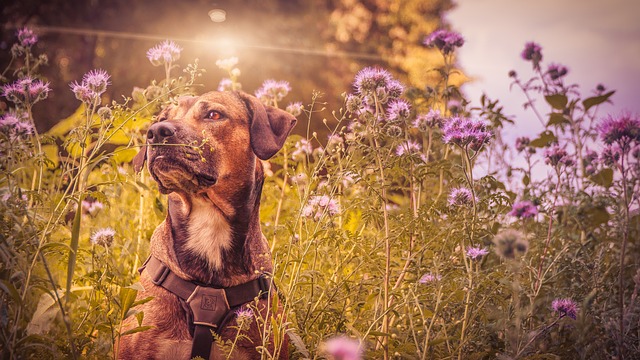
{"x": 205, "y": 152}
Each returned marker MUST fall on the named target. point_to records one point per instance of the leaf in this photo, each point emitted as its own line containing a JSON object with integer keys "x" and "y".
{"x": 557, "y": 101}
{"x": 526, "y": 181}
{"x": 44, "y": 315}
{"x": 122, "y": 154}
{"x": 557, "y": 119}
{"x": 137, "y": 330}
{"x": 603, "y": 178}
{"x": 596, "y": 100}
{"x": 544, "y": 139}
{"x": 298, "y": 343}
{"x": 51, "y": 152}
{"x": 65, "y": 125}
{"x": 127, "y": 297}
{"x": 8, "y": 288}
{"x": 597, "y": 216}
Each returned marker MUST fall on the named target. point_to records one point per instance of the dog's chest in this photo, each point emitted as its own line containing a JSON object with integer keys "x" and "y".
{"x": 209, "y": 233}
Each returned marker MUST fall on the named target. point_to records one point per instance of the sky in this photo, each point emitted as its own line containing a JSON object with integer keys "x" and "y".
{"x": 599, "y": 41}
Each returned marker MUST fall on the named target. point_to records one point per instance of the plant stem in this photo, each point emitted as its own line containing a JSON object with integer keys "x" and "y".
{"x": 625, "y": 235}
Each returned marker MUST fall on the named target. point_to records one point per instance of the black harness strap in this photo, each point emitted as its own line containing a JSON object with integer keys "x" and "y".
{"x": 209, "y": 306}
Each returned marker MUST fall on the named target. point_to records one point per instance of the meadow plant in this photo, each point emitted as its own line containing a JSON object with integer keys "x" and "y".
{"x": 389, "y": 240}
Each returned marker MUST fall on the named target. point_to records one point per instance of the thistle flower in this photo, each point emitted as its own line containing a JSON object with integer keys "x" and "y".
{"x": 623, "y": 130}
{"x": 429, "y": 121}
{"x": 611, "y": 154}
{"x": 565, "y": 307}
{"x": 244, "y": 314}
{"x": 26, "y": 91}
{"x": 460, "y": 197}
{"x": 409, "y": 147}
{"x": 103, "y": 237}
{"x": 295, "y": 108}
{"x": 524, "y": 210}
{"x": 475, "y": 253}
{"x": 556, "y": 71}
{"x": 105, "y": 113}
{"x": 15, "y": 126}
{"x": 354, "y": 104}
{"x": 532, "y": 52}
{"x": 445, "y": 41}
{"x": 556, "y": 155}
{"x": 343, "y": 347}
{"x": 94, "y": 83}
{"x": 369, "y": 79}
{"x": 273, "y": 91}
{"x": 510, "y": 243}
{"x": 398, "y": 111}
{"x": 97, "y": 81}
{"x": 166, "y": 52}
{"x": 92, "y": 207}
{"x": 429, "y": 278}
{"x": 26, "y": 37}
{"x": 465, "y": 132}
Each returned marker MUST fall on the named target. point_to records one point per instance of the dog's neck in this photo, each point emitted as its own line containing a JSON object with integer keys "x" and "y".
{"x": 219, "y": 243}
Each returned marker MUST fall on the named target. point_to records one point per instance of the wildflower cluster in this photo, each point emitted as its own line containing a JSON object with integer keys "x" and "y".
{"x": 167, "y": 52}
{"x": 26, "y": 91}
{"x": 460, "y": 196}
{"x": 230, "y": 83}
{"x": 446, "y": 41}
{"x": 319, "y": 206}
{"x": 272, "y": 92}
{"x": 524, "y": 210}
{"x": 15, "y": 127}
{"x": 93, "y": 85}
{"x": 532, "y": 52}
{"x": 343, "y": 348}
{"x": 565, "y": 307}
{"x": 466, "y": 133}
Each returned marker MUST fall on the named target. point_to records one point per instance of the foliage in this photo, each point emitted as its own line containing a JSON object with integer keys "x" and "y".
{"x": 380, "y": 234}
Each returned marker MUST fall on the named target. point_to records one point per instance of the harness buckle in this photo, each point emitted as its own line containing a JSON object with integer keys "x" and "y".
{"x": 208, "y": 305}
{"x": 159, "y": 277}
{"x": 265, "y": 285}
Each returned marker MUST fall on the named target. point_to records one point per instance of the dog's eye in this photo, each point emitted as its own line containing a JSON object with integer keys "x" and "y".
{"x": 213, "y": 115}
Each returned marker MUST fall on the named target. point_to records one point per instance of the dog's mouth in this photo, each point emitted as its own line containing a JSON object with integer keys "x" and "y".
{"x": 175, "y": 174}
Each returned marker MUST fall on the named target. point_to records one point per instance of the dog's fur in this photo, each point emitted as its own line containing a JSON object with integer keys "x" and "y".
{"x": 212, "y": 231}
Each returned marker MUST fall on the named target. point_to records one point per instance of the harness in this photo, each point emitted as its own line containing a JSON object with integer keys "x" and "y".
{"x": 208, "y": 308}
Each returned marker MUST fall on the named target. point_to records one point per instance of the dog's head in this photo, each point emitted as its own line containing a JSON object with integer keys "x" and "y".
{"x": 212, "y": 141}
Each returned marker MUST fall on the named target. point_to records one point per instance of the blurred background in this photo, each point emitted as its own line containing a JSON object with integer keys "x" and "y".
{"x": 314, "y": 44}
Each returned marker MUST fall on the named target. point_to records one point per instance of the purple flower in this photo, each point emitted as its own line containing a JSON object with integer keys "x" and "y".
{"x": 244, "y": 314}
{"x": 565, "y": 307}
{"x": 295, "y": 108}
{"x": 475, "y": 253}
{"x": 431, "y": 120}
{"x": 26, "y": 37}
{"x": 464, "y": 132}
{"x": 303, "y": 148}
{"x": 524, "y": 210}
{"x": 15, "y": 127}
{"x": 622, "y": 130}
{"x": 343, "y": 348}
{"x": 103, "y": 237}
{"x": 369, "y": 79}
{"x": 166, "y": 52}
{"x": 611, "y": 155}
{"x": 445, "y": 41}
{"x": 26, "y": 91}
{"x": 532, "y": 52}
{"x": 556, "y": 71}
{"x": 93, "y": 84}
{"x": 429, "y": 278}
{"x": 460, "y": 197}
{"x": 522, "y": 143}
{"x": 408, "y": 147}
{"x": 398, "y": 111}
{"x": 92, "y": 207}
{"x": 273, "y": 91}
{"x": 556, "y": 155}
{"x": 97, "y": 81}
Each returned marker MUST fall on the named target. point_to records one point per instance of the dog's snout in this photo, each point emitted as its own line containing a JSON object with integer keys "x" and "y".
{"x": 159, "y": 132}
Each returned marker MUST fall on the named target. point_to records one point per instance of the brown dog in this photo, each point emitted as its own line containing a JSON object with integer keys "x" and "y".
{"x": 204, "y": 153}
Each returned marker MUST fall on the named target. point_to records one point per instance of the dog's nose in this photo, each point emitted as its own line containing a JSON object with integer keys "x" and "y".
{"x": 159, "y": 132}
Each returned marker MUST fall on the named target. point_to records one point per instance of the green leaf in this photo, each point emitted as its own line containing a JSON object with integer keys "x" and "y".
{"x": 122, "y": 154}
{"x": 603, "y": 178}
{"x": 526, "y": 181}
{"x": 557, "y": 101}
{"x": 137, "y": 330}
{"x": 545, "y": 139}
{"x": 597, "y": 216}
{"x": 127, "y": 298}
{"x": 596, "y": 100}
{"x": 557, "y": 119}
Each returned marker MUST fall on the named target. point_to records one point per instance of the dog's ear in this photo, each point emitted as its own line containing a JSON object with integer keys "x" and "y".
{"x": 139, "y": 159}
{"x": 268, "y": 126}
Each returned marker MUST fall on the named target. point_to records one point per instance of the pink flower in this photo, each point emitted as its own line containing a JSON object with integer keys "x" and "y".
{"x": 166, "y": 52}
{"x": 622, "y": 130}
{"x": 103, "y": 237}
{"x": 475, "y": 253}
{"x": 565, "y": 307}
{"x": 465, "y": 132}
{"x": 429, "y": 278}
{"x": 408, "y": 147}
{"x": 26, "y": 91}
{"x": 343, "y": 348}
{"x": 445, "y": 41}
{"x": 460, "y": 197}
{"x": 27, "y": 37}
{"x": 273, "y": 91}
{"x": 524, "y": 210}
